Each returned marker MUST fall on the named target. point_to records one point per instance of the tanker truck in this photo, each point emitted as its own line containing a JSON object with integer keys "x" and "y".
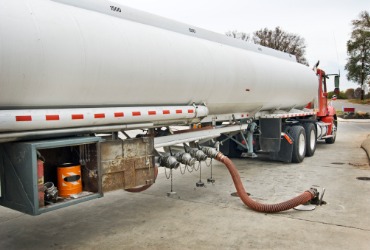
{"x": 78, "y": 78}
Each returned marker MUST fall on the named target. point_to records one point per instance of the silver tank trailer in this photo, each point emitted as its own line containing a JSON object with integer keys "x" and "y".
{"x": 98, "y": 53}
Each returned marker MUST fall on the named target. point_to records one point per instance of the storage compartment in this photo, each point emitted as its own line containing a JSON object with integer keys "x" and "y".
{"x": 127, "y": 163}
{"x": 40, "y": 176}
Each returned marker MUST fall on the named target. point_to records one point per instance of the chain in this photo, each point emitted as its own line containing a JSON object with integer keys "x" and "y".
{"x": 165, "y": 172}
{"x": 196, "y": 169}
{"x": 183, "y": 172}
{"x": 209, "y": 164}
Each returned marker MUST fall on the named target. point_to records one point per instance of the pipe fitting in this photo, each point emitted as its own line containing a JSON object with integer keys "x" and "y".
{"x": 210, "y": 152}
{"x": 185, "y": 158}
{"x": 314, "y": 192}
{"x": 51, "y": 192}
{"x": 169, "y": 162}
{"x": 198, "y": 154}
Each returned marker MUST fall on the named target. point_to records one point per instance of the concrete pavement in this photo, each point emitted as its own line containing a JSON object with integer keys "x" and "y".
{"x": 366, "y": 145}
{"x": 210, "y": 218}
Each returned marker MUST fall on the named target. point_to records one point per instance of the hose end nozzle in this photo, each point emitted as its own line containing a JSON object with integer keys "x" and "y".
{"x": 210, "y": 152}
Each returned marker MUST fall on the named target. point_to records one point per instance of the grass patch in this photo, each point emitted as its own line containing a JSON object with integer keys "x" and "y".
{"x": 340, "y": 113}
{"x": 358, "y": 101}
{"x": 357, "y": 115}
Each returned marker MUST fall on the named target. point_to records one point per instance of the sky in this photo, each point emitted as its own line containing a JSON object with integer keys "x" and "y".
{"x": 324, "y": 24}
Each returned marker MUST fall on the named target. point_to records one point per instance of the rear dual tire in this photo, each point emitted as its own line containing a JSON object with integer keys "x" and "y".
{"x": 298, "y": 134}
{"x": 311, "y": 138}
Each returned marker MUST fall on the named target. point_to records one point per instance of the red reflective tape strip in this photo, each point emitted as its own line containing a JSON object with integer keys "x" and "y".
{"x": 178, "y": 111}
{"x": 52, "y": 117}
{"x": 23, "y": 118}
{"x": 136, "y": 113}
{"x": 152, "y": 112}
{"x": 77, "y": 116}
{"x": 98, "y": 116}
{"x": 119, "y": 114}
{"x": 166, "y": 112}
{"x": 190, "y": 111}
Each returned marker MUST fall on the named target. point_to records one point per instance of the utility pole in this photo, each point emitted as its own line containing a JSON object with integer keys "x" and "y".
{"x": 362, "y": 75}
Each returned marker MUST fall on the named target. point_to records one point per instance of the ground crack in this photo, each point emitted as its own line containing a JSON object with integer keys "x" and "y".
{"x": 326, "y": 223}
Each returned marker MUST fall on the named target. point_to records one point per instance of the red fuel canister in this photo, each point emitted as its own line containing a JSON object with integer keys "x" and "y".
{"x": 40, "y": 182}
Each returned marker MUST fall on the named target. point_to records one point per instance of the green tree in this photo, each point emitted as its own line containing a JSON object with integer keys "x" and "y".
{"x": 358, "y": 50}
{"x": 341, "y": 95}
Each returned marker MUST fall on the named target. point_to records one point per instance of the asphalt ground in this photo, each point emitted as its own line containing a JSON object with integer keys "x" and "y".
{"x": 210, "y": 217}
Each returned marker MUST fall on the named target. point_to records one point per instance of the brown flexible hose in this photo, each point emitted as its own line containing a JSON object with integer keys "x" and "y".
{"x": 145, "y": 187}
{"x": 265, "y": 208}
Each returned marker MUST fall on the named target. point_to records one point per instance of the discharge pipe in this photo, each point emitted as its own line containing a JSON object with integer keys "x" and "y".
{"x": 254, "y": 205}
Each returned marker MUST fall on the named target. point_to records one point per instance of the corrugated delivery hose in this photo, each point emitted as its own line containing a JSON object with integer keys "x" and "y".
{"x": 264, "y": 208}
{"x": 145, "y": 187}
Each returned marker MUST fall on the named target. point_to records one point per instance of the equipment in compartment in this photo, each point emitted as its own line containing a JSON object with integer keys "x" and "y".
{"x": 69, "y": 179}
{"x": 51, "y": 192}
{"x": 40, "y": 182}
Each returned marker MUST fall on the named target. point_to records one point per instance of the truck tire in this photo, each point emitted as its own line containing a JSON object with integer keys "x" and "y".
{"x": 234, "y": 151}
{"x": 334, "y": 133}
{"x": 299, "y": 143}
{"x": 229, "y": 147}
{"x": 311, "y": 138}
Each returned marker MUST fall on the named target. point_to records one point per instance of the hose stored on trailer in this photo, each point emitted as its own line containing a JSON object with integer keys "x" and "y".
{"x": 145, "y": 187}
{"x": 265, "y": 208}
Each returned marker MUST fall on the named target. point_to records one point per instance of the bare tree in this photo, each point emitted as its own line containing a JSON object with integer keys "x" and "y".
{"x": 281, "y": 40}
{"x": 239, "y": 35}
{"x": 276, "y": 39}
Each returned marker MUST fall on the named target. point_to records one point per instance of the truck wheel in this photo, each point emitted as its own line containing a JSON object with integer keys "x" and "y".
{"x": 334, "y": 133}
{"x": 299, "y": 143}
{"x": 229, "y": 148}
{"x": 234, "y": 151}
{"x": 311, "y": 138}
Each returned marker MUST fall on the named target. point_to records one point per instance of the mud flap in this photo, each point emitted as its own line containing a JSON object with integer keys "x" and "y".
{"x": 270, "y": 134}
{"x": 285, "y": 153}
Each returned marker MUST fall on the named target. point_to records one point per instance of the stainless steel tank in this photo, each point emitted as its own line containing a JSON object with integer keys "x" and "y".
{"x": 56, "y": 55}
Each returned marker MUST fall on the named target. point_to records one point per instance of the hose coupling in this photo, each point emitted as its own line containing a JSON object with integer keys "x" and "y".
{"x": 185, "y": 158}
{"x": 220, "y": 156}
{"x": 198, "y": 154}
{"x": 313, "y": 192}
{"x": 51, "y": 192}
{"x": 210, "y": 152}
{"x": 168, "y": 161}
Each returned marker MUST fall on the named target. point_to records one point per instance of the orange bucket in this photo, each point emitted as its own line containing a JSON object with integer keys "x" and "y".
{"x": 69, "y": 179}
